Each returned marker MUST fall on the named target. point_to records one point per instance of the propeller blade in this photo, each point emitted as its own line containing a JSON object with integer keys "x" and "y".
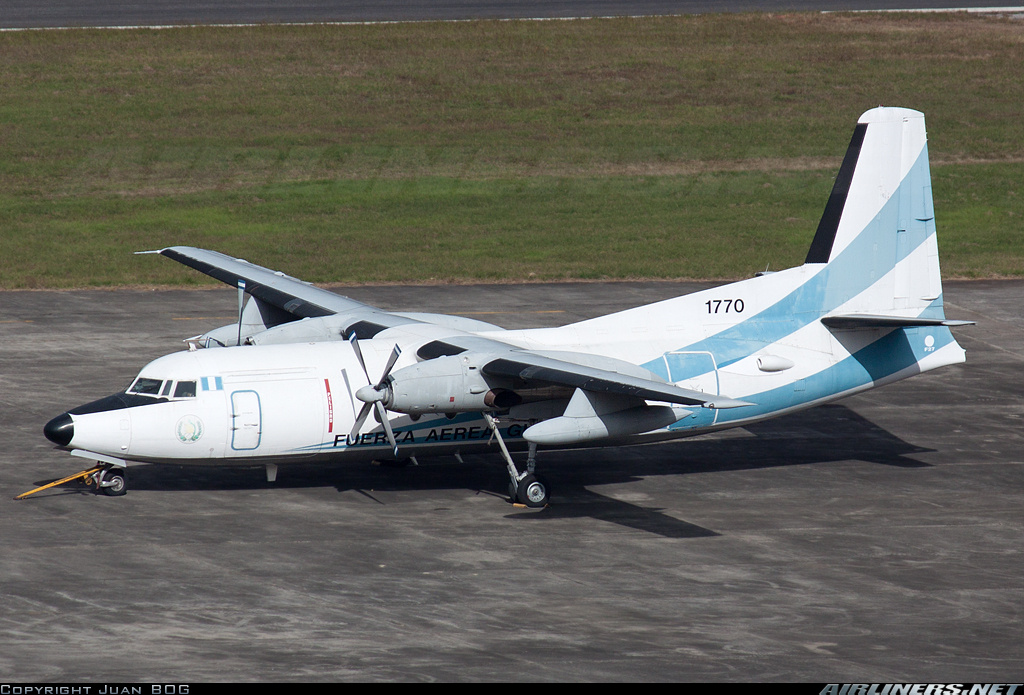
{"x": 383, "y": 413}
{"x": 395, "y": 354}
{"x": 361, "y": 419}
{"x": 359, "y": 355}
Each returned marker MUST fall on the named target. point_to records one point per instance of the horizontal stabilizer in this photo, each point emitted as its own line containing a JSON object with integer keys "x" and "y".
{"x": 877, "y": 321}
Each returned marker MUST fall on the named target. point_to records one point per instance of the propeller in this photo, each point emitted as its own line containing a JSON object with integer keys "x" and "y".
{"x": 373, "y": 396}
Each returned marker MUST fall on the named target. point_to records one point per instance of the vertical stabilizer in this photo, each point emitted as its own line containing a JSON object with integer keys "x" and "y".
{"x": 877, "y": 233}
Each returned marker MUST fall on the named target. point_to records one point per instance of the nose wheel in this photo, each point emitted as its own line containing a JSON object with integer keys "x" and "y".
{"x": 112, "y": 481}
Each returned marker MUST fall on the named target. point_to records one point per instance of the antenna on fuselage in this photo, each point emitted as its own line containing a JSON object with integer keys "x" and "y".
{"x": 241, "y": 300}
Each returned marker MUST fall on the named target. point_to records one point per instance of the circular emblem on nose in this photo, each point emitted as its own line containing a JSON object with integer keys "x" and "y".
{"x": 189, "y": 429}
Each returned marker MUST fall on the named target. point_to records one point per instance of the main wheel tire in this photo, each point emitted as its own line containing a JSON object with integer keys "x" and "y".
{"x": 533, "y": 492}
{"x": 115, "y": 482}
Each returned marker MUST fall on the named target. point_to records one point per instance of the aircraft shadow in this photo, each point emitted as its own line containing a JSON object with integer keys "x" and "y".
{"x": 583, "y": 503}
{"x": 820, "y": 435}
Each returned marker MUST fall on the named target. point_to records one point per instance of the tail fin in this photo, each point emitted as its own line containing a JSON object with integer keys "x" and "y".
{"x": 878, "y": 228}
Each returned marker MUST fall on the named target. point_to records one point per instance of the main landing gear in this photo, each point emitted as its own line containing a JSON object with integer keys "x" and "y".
{"x": 530, "y": 491}
{"x": 524, "y": 488}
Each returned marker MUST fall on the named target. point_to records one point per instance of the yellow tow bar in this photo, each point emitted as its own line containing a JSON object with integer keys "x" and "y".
{"x": 87, "y": 474}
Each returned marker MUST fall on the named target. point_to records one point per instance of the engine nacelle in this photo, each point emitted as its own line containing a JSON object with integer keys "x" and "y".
{"x": 309, "y": 330}
{"x": 319, "y": 329}
{"x": 577, "y": 430}
{"x": 451, "y": 384}
{"x": 264, "y": 324}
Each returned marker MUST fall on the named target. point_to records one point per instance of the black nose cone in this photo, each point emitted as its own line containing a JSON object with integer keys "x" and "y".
{"x": 60, "y": 430}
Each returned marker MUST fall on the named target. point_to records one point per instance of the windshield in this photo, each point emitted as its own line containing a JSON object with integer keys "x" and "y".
{"x": 146, "y": 387}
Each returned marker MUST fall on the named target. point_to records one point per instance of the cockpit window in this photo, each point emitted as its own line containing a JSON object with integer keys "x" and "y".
{"x": 185, "y": 389}
{"x": 146, "y": 387}
{"x": 167, "y": 388}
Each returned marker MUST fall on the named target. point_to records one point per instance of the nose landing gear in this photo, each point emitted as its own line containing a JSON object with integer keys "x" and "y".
{"x": 111, "y": 481}
{"x": 108, "y": 479}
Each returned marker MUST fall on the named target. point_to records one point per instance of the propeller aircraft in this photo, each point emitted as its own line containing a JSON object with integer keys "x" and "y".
{"x": 299, "y": 375}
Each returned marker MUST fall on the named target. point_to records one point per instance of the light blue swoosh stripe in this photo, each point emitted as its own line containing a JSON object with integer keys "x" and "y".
{"x": 844, "y": 277}
{"x": 894, "y": 352}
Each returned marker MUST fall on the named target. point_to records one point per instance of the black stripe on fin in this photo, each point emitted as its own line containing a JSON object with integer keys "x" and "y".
{"x": 821, "y": 247}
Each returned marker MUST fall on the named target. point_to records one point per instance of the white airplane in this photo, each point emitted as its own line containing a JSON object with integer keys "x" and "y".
{"x": 297, "y": 377}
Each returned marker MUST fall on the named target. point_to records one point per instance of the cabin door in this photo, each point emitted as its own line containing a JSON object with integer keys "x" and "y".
{"x": 246, "y": 421}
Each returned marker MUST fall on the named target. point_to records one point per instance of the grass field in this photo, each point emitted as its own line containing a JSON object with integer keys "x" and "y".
{"x": 697, "y": 147}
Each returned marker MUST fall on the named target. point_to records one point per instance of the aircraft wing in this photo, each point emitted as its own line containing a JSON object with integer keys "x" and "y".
{"x": 292, "y": 299}
{"x": 593, "y": 373}
{"x": 289, "y": 294}
{"x": 532, "y": 367}
{"x": 498, "y": 359}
